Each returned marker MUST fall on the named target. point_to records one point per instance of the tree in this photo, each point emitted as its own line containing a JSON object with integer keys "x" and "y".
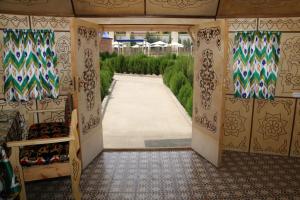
{"x": 132, "y": 38}
{"x": 151, "y": 37}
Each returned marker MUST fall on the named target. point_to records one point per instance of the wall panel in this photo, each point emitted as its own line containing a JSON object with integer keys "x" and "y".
{"x": 272, "y": 126}
{"x": 279, "y": 24}
{"x": 54, "y": 23}
{"x": 295, "y": 146}
{"x": 229, "y": 89}
{"x": 14, "y": 21}
{"x": 238, "y": 119}
{"x": 45, "y": 104}
{"x": 278, "y": 112}
{"x": 289, "y": 67}
{"x": 242, "y": 24}
{"x": 63, "y": 50}
{"x": 22, "y": 107}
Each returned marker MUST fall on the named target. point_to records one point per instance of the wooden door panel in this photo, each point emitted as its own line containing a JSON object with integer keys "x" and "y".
{"x": 208, "y": 100}
{"x": 86, "y": 72}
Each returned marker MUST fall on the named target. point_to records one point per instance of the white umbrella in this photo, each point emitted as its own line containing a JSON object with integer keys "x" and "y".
{"x": 144, "y": 44}
{"x": 159, "y": 44}
{"x": 176, "y": 44}
{"x": 135, "y": 46}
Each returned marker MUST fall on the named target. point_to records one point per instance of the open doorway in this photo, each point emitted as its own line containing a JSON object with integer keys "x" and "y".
{"x": 209, "y": 39}
{"x": 149, "y": 101}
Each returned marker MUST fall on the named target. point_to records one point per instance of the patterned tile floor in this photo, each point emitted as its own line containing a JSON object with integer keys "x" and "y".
{"x": 179, "y": 174}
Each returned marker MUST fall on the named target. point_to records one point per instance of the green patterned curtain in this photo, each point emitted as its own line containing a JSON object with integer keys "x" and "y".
{"x": 255, "y": 67}
{"x": 29, "y": 65}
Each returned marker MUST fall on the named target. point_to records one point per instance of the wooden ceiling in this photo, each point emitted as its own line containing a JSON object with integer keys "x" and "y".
{"x": 149, "y": 8}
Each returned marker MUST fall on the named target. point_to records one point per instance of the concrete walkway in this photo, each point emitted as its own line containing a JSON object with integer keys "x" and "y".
{"x": 142, "y": 108}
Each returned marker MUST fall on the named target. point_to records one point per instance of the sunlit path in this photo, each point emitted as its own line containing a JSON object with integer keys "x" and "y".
{"x": 141, "y": 108}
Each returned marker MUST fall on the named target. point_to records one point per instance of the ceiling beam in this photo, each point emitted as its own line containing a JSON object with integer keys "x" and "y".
{"x": 142, "y": 27}
{"x": 148, "y": 21}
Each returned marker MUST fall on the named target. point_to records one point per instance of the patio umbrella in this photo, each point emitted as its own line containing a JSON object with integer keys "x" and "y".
{"x": 159, "y": 44}
{"x": 136, "y": 46}
{"x": 176, "y": 44}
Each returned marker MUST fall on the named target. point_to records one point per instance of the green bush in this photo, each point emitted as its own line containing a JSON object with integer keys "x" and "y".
{"x": 177, "y": 81}
{"x": 186, "y": 65}
{"x": 189, "y": 105}
{"x": 167, "y": 75}
{"x": 177, "y": 72}
{"x": 107, "y": 68}
{"x": 106, "y": 55}
{"x": 184, "y": 93}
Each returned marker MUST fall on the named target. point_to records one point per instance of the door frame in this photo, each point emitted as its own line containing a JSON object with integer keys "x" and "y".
{"x": 166, "y": 24}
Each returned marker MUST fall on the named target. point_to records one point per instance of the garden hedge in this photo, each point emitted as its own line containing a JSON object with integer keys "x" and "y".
{"x": 177, "y": 72}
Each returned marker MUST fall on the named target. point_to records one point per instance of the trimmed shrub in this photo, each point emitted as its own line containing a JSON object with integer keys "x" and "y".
{"x": 177, "y": 72}
{"x": 106, "y": 78}
{"x": 167, "y": 75}
{"x": 184, "y": 93}
{"x": 177, "y": 81}
{"x": 189, "y": 105}
{"x": 106, "y": 55}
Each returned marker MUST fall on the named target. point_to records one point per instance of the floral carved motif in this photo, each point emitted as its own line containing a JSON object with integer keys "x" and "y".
{"x": 203, "y": 121}
{"x": 287, "y": 104}
{"x": 257, "y": 146}
{"x": 92, "y": 122}
{"x": 180, "y": 4}
{"x": 282, "y": 149}
{"x": 87, "y": 34}
{"x": 241, "y": 146}
{"x": 89, "y": 78}
{"x": 207, "y": 34}
{"x": 49, "y": 103}
{"x": 111, "y": 3}
{"x": 63, "y": 50}
{"x": 14, "y": 104}
{"x": 207, "y": 78}
{"x": 234, "y": 123}
{"x": 290, "y": 72}
{"x": 296, "y": 150}
{"x": 272, "y": 126}
{"x": 244, "y": 102}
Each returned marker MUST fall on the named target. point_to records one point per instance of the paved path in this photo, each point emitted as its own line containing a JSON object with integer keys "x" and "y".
{"x": 142, "y": 108}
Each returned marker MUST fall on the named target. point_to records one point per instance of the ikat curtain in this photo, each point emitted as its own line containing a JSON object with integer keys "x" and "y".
{"x": 255, "y": 64}
{"x": 29, "y": 63}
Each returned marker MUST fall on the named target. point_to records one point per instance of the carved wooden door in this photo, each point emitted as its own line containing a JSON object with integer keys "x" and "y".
{"x": 208, "y": 100}
{"x": 86, "y": 68}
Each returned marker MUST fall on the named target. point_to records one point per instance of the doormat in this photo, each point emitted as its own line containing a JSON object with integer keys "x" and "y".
{"x": 169, "y": 143}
